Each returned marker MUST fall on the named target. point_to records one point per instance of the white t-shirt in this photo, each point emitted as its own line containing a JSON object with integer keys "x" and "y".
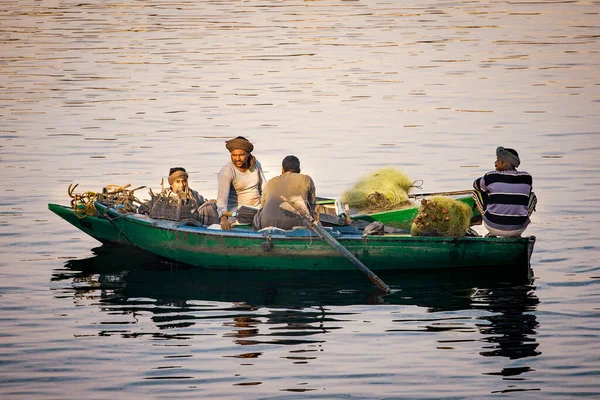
{"x": 238, "y": 188}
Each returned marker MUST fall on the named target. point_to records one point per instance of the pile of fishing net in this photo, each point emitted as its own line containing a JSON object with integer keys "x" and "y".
{"x": 170, "y": 205}
{"x": 383, "y": 190}
{"x": 442, "y": 216}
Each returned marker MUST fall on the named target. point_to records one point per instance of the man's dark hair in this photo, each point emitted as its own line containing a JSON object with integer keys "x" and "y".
{"x": 175, "y": 169}
{"x": 291, "y": 164}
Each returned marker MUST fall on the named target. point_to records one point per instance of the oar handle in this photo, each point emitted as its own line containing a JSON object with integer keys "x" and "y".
{"x": 452, "y": 193}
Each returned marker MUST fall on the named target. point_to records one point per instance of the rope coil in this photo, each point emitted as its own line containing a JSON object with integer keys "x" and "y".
{"x": 112, "y": 195}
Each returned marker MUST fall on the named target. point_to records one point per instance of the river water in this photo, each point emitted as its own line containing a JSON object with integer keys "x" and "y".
{"x": 116, "y": 92}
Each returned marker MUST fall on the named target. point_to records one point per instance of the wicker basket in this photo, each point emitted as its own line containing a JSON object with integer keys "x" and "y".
{"x": 171, "y": 208}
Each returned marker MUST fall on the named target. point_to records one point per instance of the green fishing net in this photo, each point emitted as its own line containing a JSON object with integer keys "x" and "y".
{"x": 382, "y": 190}
{"x": 442, "y": 216}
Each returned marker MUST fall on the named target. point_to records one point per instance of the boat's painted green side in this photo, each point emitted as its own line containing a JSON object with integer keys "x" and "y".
{"x": 100, "y": 228}
{"x": 301, "y": 250}
{"x": 403, "y": 218}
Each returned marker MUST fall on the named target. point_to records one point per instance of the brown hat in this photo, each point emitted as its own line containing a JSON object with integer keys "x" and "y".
{"x": 239, "y": 143}
{"x": 179, "y": 173}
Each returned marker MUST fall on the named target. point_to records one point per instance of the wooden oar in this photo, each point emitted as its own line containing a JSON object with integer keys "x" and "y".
{"x": 326, "y": 200}
{"x": 299, "y": 207}
{"x": 454, "y": 193}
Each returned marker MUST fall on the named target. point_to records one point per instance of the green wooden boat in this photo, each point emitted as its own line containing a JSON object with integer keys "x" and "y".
{"x": 301, "y": 249}
{"x": 402, "y": 218}
{"x": 101, "y": 229}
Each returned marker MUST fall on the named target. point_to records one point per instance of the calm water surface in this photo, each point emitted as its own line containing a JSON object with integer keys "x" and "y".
{"x": 113, "y": 92}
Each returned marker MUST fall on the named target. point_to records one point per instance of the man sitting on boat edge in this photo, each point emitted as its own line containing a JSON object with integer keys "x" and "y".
{"x": 290, "y": 183}
{"x": 504, "y": 196}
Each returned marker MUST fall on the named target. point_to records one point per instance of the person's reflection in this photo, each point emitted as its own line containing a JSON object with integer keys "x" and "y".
{"x": 243, "y": 327}
{"x": 282, "y": 326}
{"x": 511, "y": 330}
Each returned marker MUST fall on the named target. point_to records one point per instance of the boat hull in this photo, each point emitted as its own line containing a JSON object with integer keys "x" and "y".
{"x": 301, "y": 250}
{"x": 100, "y": 228}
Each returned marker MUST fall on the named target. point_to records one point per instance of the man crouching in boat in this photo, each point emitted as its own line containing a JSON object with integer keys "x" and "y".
{"x": 240, "y": 181}
{"x": 504, "y": 197}
{"x": 290, "y": 183}
{"x": 187, "y": 200}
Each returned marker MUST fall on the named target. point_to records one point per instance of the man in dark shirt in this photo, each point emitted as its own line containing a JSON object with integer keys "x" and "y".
{"x": 290, "y": 183}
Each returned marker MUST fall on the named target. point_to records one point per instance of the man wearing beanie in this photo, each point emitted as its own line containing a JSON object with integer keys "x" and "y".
{"x": 204, "y": 211}
{"x": 504, "y": 196}
{"x": 240, "y": 181}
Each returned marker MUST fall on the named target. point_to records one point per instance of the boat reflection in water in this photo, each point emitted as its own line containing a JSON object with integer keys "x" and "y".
{"x": 180, "y": 302}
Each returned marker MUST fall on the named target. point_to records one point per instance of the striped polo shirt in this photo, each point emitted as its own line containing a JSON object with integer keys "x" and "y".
{"x": 509, "y": 193}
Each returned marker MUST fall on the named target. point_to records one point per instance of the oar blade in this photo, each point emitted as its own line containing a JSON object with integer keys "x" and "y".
{"x": 299, "y": 206}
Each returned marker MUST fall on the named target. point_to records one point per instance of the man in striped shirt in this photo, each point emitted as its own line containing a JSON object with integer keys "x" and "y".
{"x": 505, "y": 196}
